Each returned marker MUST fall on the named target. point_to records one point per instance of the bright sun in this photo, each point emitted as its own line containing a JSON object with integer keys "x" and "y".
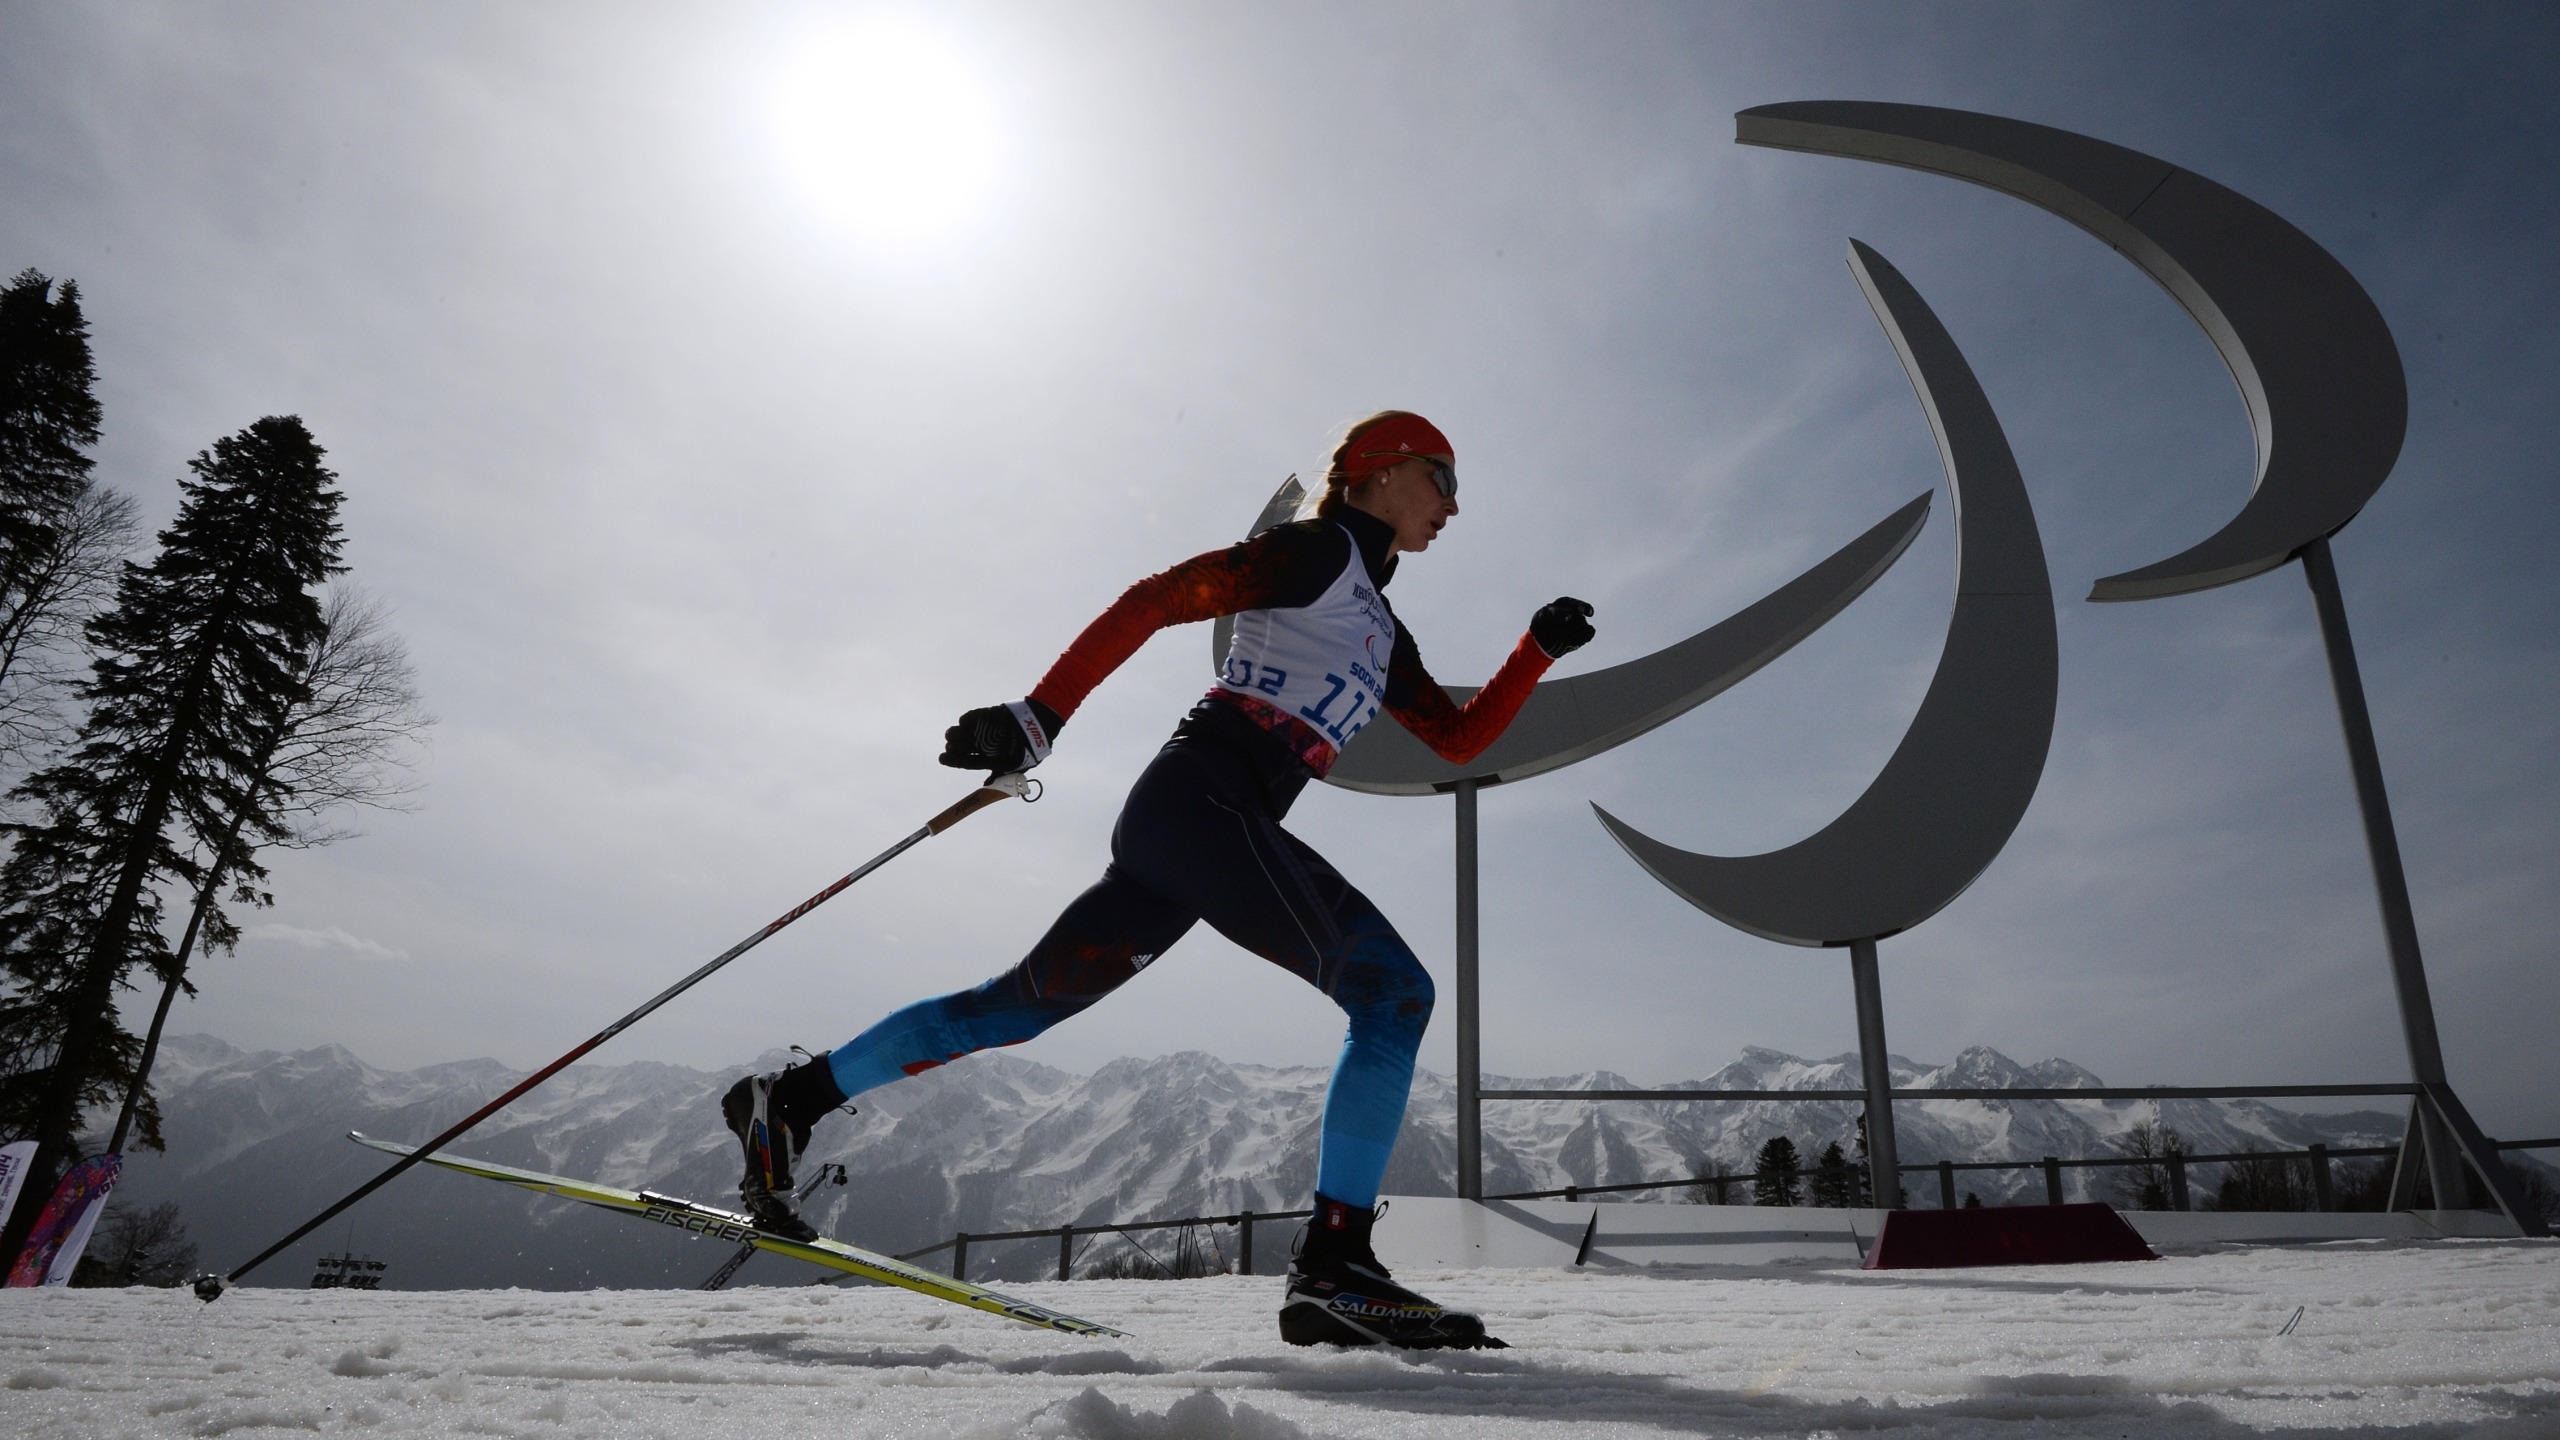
{"x": 886, "y": 128}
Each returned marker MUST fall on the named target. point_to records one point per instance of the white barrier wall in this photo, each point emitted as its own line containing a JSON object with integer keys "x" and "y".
{"x": 1433, "y": 1232}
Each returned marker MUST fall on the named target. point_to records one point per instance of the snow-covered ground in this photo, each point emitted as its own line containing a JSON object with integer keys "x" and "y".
{"x": 2437, "y": 1339}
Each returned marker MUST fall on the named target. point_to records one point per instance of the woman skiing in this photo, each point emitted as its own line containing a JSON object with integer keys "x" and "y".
{"x": 1317, "y": 654}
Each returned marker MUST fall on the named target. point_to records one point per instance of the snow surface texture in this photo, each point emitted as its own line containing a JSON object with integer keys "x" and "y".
{"x": 995, "y": 1143}
{"x": 2450, "y": 1338}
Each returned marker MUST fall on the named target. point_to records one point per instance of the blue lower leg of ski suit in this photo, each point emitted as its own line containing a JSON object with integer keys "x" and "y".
{"x": 1195, "y": 842}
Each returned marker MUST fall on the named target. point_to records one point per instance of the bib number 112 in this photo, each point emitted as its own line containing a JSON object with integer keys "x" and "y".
{"x": 1352, "y": 719}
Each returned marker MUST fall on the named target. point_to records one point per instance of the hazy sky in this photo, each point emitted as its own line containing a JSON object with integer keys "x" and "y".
{"x": 710, "y": 478}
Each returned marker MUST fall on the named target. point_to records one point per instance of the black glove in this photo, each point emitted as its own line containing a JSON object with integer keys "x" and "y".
{"x": 1562, "y": 627}
{"x": 1001, "y": 739}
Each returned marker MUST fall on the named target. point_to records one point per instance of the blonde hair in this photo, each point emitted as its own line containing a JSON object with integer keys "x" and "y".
{"x": 1335, "y": 495}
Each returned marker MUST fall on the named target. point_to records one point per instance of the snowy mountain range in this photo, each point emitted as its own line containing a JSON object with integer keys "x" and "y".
{"x": 256, "y": 1144}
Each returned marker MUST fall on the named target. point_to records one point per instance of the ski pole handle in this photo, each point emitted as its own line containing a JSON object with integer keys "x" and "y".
{"x": 1009, "y": 786}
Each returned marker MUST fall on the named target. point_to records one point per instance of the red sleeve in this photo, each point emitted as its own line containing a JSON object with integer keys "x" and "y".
{"x": 1269, "y": 570}
{"x": 1458, "y": 733}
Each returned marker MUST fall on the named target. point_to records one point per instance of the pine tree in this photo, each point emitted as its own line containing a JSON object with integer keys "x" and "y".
{"x": 1832, "y": 1187}
{"x": 49, "y": 409}
{"x": 1773, "y": 1180}
{"x": 61, "y": 538}
{"x": 197, "y": 667}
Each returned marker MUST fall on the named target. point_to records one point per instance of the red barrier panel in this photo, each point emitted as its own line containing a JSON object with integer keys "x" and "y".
{"x": 2005, "y": 1235}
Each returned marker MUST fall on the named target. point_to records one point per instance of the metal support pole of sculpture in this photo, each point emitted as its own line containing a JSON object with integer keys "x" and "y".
{"x": 2390, "y": 880}
{"x": 1470, "y": 1046}
{"x": 1884, "y": 1163}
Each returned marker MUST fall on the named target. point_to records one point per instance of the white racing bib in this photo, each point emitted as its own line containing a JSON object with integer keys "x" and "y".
{"x": 1322, "y": 665}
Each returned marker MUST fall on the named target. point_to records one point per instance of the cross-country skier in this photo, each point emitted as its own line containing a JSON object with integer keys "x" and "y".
{"x": 1317, "y": 654}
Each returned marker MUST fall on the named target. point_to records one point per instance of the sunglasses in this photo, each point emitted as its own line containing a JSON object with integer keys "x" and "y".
{"x": 1444, "y": 477}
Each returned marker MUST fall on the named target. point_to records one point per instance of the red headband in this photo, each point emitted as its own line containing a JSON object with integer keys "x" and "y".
{"x": 1383, "y": 443}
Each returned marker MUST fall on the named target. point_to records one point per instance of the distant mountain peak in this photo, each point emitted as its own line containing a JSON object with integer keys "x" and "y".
{"x": 1979, "y": 1067}
{"x": 997, "y": 1142}
{"x": 2060, "y": 1074}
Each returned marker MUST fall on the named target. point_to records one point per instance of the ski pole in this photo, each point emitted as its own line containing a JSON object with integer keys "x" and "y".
{"x": 998, "y": 787}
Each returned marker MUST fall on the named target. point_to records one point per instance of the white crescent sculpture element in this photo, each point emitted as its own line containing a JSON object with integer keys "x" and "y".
{"x": 1576, "y": 718}
{"x": 1956, "y": 787}
{"x": 2313, "y": 358}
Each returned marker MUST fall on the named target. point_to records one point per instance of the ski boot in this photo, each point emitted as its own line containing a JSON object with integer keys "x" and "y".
{"x": 1340, "y": 1295}
{"x": 771, "y": 1116}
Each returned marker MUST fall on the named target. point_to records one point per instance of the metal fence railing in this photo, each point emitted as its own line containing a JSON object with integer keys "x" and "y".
{"x": 2094, "y": 1092}
{"x": 2173, "y": 1164}
{"x": 1243, "y": 1220}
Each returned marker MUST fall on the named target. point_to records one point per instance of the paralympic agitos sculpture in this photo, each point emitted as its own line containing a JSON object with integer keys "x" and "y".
{"x": 2328, "y": 405}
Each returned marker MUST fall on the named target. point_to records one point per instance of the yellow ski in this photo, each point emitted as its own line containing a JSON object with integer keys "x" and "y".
{"x": 723, "y": 1225}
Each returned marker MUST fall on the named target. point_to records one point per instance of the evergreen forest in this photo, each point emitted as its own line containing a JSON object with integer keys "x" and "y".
{"x": 170, "y": 712}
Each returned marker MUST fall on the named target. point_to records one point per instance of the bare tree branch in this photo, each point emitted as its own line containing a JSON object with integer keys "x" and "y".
{"x": 354, "y": 741}
{"x": 48, "y": 593}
